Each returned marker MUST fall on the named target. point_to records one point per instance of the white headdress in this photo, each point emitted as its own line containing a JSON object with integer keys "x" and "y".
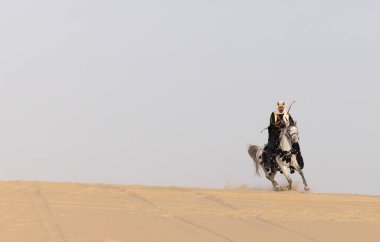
{"x": 280, "y": 104}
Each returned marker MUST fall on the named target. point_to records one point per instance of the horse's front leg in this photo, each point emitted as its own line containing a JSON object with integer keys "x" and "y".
{"x": 297, "y": 167}
{"x": 306, "y": 187}
{"x": 285, "y": 171}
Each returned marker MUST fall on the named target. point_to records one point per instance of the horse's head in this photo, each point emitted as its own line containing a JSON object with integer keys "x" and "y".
{"x": 292, "y": 133}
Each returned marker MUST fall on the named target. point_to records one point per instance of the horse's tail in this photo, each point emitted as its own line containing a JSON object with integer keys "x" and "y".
{"x": 252, "y": 151}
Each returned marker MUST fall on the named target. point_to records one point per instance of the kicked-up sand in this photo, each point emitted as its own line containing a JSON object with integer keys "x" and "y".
{"x": 46, "y": 211}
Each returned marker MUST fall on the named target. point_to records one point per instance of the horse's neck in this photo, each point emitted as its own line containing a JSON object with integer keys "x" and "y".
{"x": 285, "y": 143}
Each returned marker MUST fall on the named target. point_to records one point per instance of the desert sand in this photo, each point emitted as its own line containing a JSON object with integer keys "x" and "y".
{"x": 46, "y": 211}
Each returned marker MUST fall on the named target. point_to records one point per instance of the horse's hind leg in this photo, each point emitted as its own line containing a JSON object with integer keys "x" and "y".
{"x": 270, "y": 177}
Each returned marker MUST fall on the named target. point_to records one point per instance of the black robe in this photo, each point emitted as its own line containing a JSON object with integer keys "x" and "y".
{"x": 275, "y": 131}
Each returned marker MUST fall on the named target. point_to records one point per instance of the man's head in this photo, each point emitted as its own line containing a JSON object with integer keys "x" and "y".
{"x": 281, "y": 106}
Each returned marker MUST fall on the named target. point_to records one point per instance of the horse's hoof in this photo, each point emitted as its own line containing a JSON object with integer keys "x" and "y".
{"x": 307, "y": 188}
{"x": 278, "y": 189}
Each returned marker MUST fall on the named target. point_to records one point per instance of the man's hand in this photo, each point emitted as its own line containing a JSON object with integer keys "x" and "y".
{"x": 280, "y": 124}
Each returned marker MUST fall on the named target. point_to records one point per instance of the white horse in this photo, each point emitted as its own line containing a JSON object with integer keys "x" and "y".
{"x": 285, "y": 161}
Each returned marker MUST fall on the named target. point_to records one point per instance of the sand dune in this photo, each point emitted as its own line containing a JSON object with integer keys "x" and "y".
{"x": 44, "y": 211}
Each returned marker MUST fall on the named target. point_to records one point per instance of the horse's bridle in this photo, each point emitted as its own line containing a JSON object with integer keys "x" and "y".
{"x": 290, "y": 136}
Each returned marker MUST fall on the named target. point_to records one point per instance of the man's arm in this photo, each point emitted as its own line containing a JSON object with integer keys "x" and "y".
{"x": 271, "y": 120}
{"x": 278, "y": 124}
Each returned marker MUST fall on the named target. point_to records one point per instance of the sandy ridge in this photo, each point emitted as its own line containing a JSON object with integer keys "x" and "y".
{"x": 68, "y": 212}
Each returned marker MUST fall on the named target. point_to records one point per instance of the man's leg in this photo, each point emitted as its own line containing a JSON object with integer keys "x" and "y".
{"x": 267, "y": 156}
{"x": 270, "y": 149}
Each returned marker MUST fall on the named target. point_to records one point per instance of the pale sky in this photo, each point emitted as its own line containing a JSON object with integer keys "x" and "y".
{"x": 172, "y": 92}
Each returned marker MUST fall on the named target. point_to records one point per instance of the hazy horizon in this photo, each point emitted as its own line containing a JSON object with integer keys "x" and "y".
{"x": 172, "y": 93}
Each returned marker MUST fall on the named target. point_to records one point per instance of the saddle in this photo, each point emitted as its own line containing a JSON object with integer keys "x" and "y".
{"x": 284, "y": 155}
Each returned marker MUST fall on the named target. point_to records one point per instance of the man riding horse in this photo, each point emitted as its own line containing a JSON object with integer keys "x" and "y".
{"x": 279, "y": 120}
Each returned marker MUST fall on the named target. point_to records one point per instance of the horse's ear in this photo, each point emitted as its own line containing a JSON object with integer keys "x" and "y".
{"x": 295, "y": 123}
